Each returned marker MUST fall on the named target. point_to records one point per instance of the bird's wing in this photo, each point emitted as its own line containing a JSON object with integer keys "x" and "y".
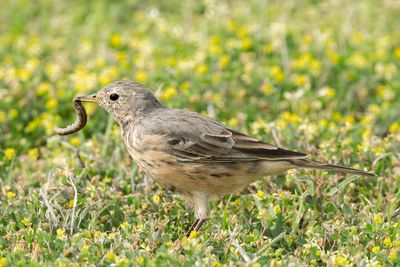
{"x": 192, "y": 137}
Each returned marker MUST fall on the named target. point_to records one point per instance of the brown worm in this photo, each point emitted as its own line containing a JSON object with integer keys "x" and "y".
{"x": 78, "y": 124}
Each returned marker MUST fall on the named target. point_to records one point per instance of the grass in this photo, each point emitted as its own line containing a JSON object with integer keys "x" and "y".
{"x": 323, "y": 74}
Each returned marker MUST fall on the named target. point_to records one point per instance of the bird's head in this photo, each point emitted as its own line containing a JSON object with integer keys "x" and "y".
{"x": 125, "y": 100}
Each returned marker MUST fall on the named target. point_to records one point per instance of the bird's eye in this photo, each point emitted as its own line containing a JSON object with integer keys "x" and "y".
{"x": 114, "y": 97}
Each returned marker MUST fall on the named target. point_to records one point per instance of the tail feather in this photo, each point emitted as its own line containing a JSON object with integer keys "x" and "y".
{"x": 312, "y": 164}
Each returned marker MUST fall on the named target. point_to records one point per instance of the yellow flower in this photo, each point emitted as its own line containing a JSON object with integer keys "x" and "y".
{"x": 393, "y": 255}
{"x": 13, "y": 113}
{"x": 358, "y": 60}
{"x": 268, "y": 49}
{"x": 378, "y": 150}
{"x": 215, "y": 39}
{"x": 237, "y": 202}
{"x": 116, "y": 40}
{"x": 100, "y": 62}
{"x": 2, "y": 116}
{"x": 202, "y": 69}
{"x": 51, "y": 103}
{"x": 256, "y": 265}
{"x": 315, "y": 66}
{"x": 246, "y": 43}
{"x": 290, "y": 117}
{"x": 33, "y": 153}
{"x": 9, "y": 153}
{"x": 24, "y": 74}
{"x": 43, "y": 88}
{"x": 333, "y": 56}
{"x": 397, "y": 52}
{"x": 300, "y": 80}
{"x": 394, "y": 127}
{"x": 386, "y": 71}
{"x": 85, "y": 249}
{"x": 11, "y": 195}
{"x": 266, "y": 88}
{"x": 184, "y": 86}
{"x": 33, "y": 125}
{"x": 169, "y": 93}
{"x": 349, "y": 119}
{"x": 358, "y": 38}
{"x": 260, "y": 194}
{"x": 111, "y": 235}
{"x": 124, "y": 225}
{"x": 233, "y": 122}
{"x": 336, "y": 116}
{"x": 327, "y": 91}
{"x": 277, "y": 74}
{"x": 193, "y": 234}
{"x": 277, "y": 209}
{"x": 378, "y": 219}
{"x": 302, "y": 61}
{"x": 156, "y": 199}
{"x": 341, "y": 261}
{"x": 385, "y": 92}
{"x": 108, "y": 75}
{"x": 215, "y": 44}
{"x": 231, "y": 25}
{"x": 25, "y": 221}
{"x": 140, "y": 259}
{"x": 104, "y": 78}
{"x": 75, "y": 141}
{"x": 376, "y": 249}
{"x": 171, "y": 61}
{"x": 110, "y": 255}
{"x": 97, "y": 234}
{"x": 224, "y": 61}
{"x": 141, "y": 76}
{"x": 307, "y": 39}
{"x": 52, "y": 70}
{"x": 60, "y": 233}
{"x": 367, "y": 120}
{"x": 83, "y": 79}
{"x": 387, "y": 242}
{"x": 122, "y": 57}
{"x": 291, "y": 172}
{"x": 215, "y": 48}
{"x": 323, "y": 123}
{"x": 30, "y": 230}
{"x": 3, "y": 261}
{"x": 139, "y": 227}
{"x": 107, "y": 180}
{"x": 71, "y": 203}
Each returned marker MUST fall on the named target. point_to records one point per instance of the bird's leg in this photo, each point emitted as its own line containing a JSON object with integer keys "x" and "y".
{"x": 199, "y": 224}
{"x": 202, "y": 210}
{"x": 195, "y": 227}
{"x": 192, "y": 227}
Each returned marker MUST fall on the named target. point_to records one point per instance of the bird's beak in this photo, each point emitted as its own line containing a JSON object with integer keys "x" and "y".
{"x": 89, "y": 98}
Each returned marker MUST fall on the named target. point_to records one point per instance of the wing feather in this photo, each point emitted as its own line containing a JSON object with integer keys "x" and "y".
{"x": 193, "y": 137}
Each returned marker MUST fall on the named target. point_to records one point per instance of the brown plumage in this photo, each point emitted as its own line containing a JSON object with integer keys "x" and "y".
{"x": 193, "y": 155}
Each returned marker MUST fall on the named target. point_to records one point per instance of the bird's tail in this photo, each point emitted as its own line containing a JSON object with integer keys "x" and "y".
{"x": 312, "y": 164}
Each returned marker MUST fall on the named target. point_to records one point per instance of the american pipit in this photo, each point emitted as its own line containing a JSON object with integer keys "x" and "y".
{"x": 192, "y": 155}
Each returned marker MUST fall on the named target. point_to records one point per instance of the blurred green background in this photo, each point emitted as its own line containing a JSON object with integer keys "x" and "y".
{"x": 324, "y": 74}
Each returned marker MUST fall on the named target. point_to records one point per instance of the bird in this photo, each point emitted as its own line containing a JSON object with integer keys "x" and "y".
{"x": 192, "y": 155}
